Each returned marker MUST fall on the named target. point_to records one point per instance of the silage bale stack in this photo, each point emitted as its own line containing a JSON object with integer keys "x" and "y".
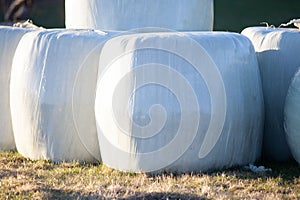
{"x": 179, "y": 102}
{"x": 180, "y": 15}
{"x": 9, "y": 39}
{"x": 207, "y": 113}
{"x": 52, "y": 89}
{"x": 277, "y": 51}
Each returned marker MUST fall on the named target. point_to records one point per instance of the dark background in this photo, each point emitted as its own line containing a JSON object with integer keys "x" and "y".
{"x": 232, "y": 15}
{"x": 235, "y": 15}
{"x": 46, "y": 13}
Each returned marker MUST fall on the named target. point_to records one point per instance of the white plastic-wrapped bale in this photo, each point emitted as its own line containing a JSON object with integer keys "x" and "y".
{"x": 131, "y": 14}
{"x": 53, "y": 84}
{"x": 178, "y": 102}
{"x": 9, "y": 39}
{"x": 277, "y": 51}
{"x": 292, "y": 117}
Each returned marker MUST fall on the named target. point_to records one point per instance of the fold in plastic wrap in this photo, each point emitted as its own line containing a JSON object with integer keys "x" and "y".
{"x": 53, "y": 84}
{"x": 9, "y": 39}
{"x": 277, "y": 51}
{"x": 179, "y": 102}
{"x": 292, "y": 117}
{"x": 188, "y": 15}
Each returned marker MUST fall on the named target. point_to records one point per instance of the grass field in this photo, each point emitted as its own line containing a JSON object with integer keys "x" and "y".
{"x": 21, "y": 178}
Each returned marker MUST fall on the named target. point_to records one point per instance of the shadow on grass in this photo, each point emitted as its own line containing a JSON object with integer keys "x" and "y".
{"x": 287, "y": 171}
{"x": 62, "y": 194}
{"x": 164, "y": 196}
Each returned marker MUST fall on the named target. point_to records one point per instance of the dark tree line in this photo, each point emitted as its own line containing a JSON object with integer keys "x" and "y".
{"x": 16, "y": 10}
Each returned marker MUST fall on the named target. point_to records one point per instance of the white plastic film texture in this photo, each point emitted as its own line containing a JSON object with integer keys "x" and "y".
{"x": 277, "y": 51}
{"x": 119, "y": 15}
{"x": 9, "y": 39}
{"x": 178, "y": 102}
{"x": 53, "y": 86}
{"x": 292, "y": 117}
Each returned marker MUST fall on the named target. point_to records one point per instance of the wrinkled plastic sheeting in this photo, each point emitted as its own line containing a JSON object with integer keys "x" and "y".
{"x": 9, "y": 39}
{"x": 179, "y": 102}
{"x": 292, "y": 117}
{"x": 188, "y": 15}
{"x": 277, "y": 51}
{"x": 257, "y": 169}
{"x": 53, "y": 86}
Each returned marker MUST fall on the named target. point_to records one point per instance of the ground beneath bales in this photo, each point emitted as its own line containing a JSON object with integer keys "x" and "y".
{"x": 21, "y": 178}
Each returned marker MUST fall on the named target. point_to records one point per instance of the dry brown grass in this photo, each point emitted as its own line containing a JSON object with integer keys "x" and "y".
{"x": 24, "y": 179}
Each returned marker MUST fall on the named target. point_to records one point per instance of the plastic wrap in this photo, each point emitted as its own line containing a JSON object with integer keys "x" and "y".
{"x": 179, "y": 102}
{"x": 130, "y": 14}
{"x": 277, "y": 51}
{"x": 52, "y": 88}
{"x": 9, "y": 39}
{"x": 292, "y": 117}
